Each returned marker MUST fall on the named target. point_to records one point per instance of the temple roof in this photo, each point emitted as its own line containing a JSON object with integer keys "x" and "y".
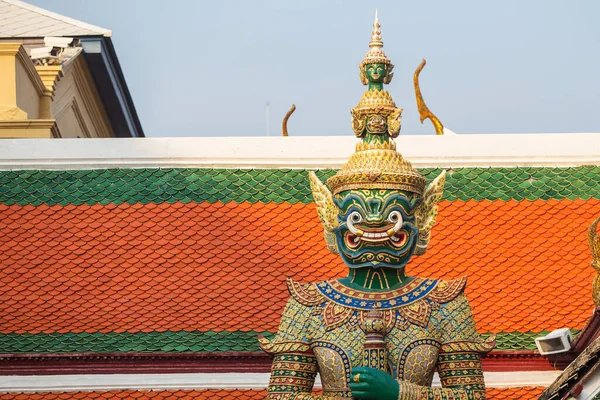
{"x": 163, "y": 255}
{"x": 176, "y": 260}
{"x": 20, "y": 19}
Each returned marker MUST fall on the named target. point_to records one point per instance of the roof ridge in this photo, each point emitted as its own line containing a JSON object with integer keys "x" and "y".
{"x": 80, "y": 24}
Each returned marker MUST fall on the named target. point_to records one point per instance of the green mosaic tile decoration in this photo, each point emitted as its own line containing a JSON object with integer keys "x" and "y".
{"x": 179, "y": 342}
{"x": 170, "y": 185}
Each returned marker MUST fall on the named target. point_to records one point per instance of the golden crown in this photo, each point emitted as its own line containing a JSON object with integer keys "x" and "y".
{"x": 376, "y": 120}
{"x": 374, "y": 166}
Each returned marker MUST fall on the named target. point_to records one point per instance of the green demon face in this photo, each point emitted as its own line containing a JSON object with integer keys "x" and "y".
{"x": 376, "y": 227}
{"x": 376, "y": 72}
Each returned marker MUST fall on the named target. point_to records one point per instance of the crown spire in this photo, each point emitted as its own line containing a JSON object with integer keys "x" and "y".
{"x": 375, "y": 54}
{"x": 376, "y": 34}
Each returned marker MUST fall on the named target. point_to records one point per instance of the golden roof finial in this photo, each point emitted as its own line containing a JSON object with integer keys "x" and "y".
{"x": 594, "y": 242}
{"x": 424, "y": 112}
{"x": 285, "y": 120}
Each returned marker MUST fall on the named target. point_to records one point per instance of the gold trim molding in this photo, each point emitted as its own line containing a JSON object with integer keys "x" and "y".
{"x": 36, "y": 128}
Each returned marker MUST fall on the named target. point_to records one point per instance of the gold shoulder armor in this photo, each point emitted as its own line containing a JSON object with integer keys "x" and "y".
{"x": 446, "y": 291}
{"x": 275, "y": 347}
{"x": 304, "y": 293}
{"x": 482, "y": 346}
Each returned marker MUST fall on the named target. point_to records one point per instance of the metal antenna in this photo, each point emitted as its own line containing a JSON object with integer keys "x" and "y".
{"x": 268, "y": 117}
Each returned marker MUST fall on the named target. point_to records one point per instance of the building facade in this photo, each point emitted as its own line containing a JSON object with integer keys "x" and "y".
{"x": 60, "y": 78}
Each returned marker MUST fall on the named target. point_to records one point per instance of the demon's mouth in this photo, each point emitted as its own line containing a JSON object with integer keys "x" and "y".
{"x": 361, "y": 233}
{"x": 397, "y": 239}
{"x": 375, "y": 76}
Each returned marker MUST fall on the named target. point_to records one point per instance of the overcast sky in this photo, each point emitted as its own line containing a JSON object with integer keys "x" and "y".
{"x": 207, "y": 68}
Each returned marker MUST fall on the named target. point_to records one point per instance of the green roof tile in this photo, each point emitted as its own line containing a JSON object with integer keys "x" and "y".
{"x": 518, "y": 340}
{"x": 272, "y": 185}
{"x": 179, "y": 342}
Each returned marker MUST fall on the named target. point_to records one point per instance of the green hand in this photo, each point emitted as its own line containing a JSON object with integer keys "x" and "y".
{"x": 373, "y": 384}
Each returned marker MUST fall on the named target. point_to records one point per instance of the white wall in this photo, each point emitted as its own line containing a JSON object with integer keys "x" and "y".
{"x": 299, "y": 152}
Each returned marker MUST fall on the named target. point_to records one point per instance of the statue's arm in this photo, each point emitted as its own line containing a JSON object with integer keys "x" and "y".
{"x": 459, "y": 362}
{"x": 461, "y": 376}
{"x": 294, "y": 365}
{"x": 460, "y": 373}
{"x": 292, "y": 376}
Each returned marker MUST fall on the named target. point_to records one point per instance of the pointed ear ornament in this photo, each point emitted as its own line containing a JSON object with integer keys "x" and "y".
{"x": 363, "y": 75}
{"x": 326, "y": 209}
{"x": 426, "y": 213}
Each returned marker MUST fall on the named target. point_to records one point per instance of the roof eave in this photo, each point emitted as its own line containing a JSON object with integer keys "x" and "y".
{"x": 71, "y": 21}
{"x": 578, "y": 371}
{"x": 199, "y": 362}
{"x": 112, "y": 87}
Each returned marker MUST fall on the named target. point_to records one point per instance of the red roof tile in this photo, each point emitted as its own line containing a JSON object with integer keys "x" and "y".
{"x": 223, "y": 266}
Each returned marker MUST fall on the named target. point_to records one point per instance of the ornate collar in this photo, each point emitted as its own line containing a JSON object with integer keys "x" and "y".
{"x": 415, "y": 290}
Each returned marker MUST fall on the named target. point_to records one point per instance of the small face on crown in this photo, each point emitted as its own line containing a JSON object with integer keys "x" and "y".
{"x": 377, "y": 227}
{"x": 376, "y": 73}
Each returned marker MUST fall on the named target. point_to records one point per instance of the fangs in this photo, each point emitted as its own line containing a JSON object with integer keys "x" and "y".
{"x": 399, "y": 239}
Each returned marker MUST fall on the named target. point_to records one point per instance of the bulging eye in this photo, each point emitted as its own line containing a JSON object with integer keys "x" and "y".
{"x": 395, "y": 217}
{"x": 355, "y": 217}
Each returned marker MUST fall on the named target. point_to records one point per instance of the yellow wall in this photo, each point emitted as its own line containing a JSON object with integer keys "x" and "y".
{"x": 28, "y": 98}
{"x": 8, "y": 83}
{"x": 22, "y": 94}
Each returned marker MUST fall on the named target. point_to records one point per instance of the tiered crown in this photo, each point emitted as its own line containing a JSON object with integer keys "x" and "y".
{"x": 376, "y": 121}
{"x": 374, "y": 166}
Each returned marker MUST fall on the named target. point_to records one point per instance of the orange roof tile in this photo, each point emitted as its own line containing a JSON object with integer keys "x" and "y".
{"x": 203, "y": 266}
{"x": 146, "y": 394}
{"x": 523, "y": 393}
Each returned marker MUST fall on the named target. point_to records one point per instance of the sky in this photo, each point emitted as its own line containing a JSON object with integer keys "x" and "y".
{"x": 208, "y": 68}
